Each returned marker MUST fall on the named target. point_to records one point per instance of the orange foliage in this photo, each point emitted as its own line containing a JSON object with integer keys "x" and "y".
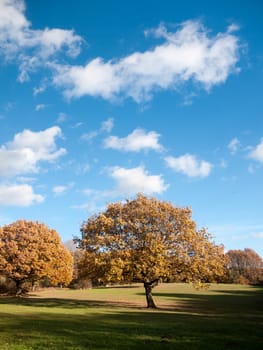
{"x": 30, "y": 251}
{"x": 147, "y": 240}
{"x": 244, "y": 266}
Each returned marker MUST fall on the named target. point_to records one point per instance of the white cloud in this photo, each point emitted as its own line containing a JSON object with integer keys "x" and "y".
{"x": 28, "y": 148}
{"x": 234, "y": 145}
{"x": 189, "y": 165}
{"x": 89, "y": 136}
{"x": 39, "y": 107}
{"x": 134, "y": 180}
{"x": 128, "y": 183}
{"x": 77, "y": 125}
{"x": 32, "y": 48}
{"x": 82, "y": 169}
{"x": 62, "y": 189}
{"x": 136, "y": 141}
{"x": 18, "y": 195}
{"x": 189, "y": 54}
{"x": 89, "y": 207}
{"x": 38, "y": 90}
{"x": 257, "y": 152}
{"x": 107, "y": 125}
{"x": 96, "y": 79}
{"x": 62, "y": 117}
{"x": 57, "y": 190}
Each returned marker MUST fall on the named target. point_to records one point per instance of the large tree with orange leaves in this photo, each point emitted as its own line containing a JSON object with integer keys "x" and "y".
{"x": 147, "y": 240}
{"x": 30, "y": 251}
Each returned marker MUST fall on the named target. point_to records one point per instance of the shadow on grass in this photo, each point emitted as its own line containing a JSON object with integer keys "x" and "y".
{"x": 195, "y": 321}
{"x": 66, "y": 303}
{"x": 130, "y": 286}
{"x": 224, "y": 302}
{"x": 228, "y": 301}
{"x": 129, "y": 330}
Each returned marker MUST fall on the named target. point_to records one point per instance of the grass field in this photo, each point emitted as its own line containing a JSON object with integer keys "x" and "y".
{"x": 222, "y": 317}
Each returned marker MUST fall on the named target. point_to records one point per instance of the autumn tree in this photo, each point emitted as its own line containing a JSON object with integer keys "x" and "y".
{"x": 30, "y": 252}
{"x": 244, "y": 266}
{"x": 147, "y": 240}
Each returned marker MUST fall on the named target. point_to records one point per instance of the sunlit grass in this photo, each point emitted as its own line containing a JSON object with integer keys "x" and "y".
{"x": 223, "y": 317}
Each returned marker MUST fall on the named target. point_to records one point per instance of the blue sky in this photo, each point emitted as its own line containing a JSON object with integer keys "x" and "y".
{"x": 101, "y": 100}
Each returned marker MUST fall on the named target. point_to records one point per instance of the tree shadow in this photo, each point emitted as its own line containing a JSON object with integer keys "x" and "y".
{"x": 66, "y": 303}
{"x": 131, "y": 286}
{"x": 88, "y": 327}
{"x": 223, "y": 302}
{"x": 218, "y": 302}
{"x": 220, "y": 320}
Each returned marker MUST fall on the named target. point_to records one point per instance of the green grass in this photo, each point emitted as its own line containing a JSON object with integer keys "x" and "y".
{"x": 222, "y": 317}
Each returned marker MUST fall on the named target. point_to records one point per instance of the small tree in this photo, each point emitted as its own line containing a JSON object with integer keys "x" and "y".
{"x": 244, "y": 266}
{"x": 30, "y": 251}
{"x": 145, "y": 240}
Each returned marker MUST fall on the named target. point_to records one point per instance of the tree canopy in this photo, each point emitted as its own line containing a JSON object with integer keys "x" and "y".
{"x": 244, "y": 266}
{"x": 147, "y": 240}
{"x": 30, "y": 251}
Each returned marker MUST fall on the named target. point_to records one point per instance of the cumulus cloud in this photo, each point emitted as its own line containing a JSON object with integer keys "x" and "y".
{"x": 23, "y": 154}
{"x": 134, "y": 180}
{"x": 234, "y": 145}
{"x": 257, "y": 152}
{"x": 189, "y": 165}
{"x": 189, "y": 54}
{"x": 18, "y": 195}
{"x": 32, "y": 48}
{"x": 136, "y": 141}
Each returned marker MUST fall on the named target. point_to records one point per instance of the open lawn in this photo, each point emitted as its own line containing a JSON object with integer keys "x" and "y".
{"x": 222, "y": 317}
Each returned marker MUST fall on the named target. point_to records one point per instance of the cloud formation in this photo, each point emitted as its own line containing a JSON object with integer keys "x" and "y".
{"x": 62, "y": 189}
{"x": 189, "y": 54}
{"x": 234, "y": 145}
{"x": 137, "y": 141}
{"x": 18, "y": 195}
{"x": 189, "y": 165}
{"x": 27, "y": 150}
{"x": 134, "y": 180}
{"x": 257, "y": 152}
{"x": 31, "y": 48}
{"x": 106, "y": 126}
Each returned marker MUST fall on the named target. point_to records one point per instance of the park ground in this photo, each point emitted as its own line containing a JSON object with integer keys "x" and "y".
{"x": 111, "y": 318}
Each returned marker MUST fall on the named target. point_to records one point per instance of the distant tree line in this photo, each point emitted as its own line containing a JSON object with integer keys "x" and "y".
{"x": 244, "y": 267}
{"x": 141, "y": 240}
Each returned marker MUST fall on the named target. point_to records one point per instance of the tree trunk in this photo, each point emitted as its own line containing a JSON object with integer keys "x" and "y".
{"x": 34, "y": 285}
{"x": 19, "y": 288}
{"x": 148, "y": 293}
